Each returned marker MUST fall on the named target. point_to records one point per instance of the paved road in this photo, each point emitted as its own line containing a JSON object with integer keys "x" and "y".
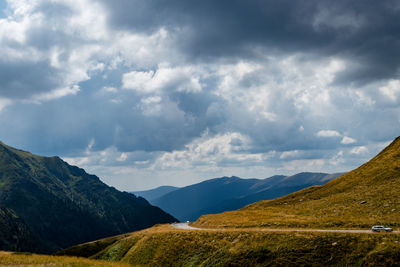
{"x": 186, "y": 226}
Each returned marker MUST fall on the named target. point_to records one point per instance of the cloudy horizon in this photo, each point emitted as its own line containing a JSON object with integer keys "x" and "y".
{"x": 149, "y": 93}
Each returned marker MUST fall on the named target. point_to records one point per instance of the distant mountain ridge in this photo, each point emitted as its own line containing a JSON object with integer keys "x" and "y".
{"x": 155, "y": 193}
{"x": 64, "y": 205}
{"x": 231, "y": 193}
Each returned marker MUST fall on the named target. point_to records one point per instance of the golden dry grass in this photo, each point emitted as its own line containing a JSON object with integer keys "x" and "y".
{"x": 20, "y": 259}
{"x": 166, "y": 246}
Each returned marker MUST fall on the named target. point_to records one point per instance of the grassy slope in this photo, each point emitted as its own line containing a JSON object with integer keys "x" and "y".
{"x": 17, "y": 259}
{"x": 164, "y": 246}
{"x": 363, "y": 197}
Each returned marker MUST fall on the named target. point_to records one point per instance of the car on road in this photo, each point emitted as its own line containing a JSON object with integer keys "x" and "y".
{"x": 381, "y": 228}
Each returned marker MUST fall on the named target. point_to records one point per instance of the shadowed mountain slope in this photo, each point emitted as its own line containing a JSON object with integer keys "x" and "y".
{"x": 15, "y": 235}
{"x": 64, "y": 205}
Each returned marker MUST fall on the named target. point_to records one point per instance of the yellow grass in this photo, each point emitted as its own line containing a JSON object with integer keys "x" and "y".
{"x": 166, "y": 246}
{"x": 18, "y": 259}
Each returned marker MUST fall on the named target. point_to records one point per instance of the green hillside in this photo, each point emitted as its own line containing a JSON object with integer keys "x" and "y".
{"x": 63, "y": 205}
{"x": 363, "y": 197}
{"x": 165, "y": 246}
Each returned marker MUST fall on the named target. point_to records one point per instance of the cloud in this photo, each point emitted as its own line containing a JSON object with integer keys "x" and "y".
{"x": 363, "y": 33}
{"x": 138, "y": 80}
{"x": 222, "y": 149}
{"x": 202, "y": 88}
{"x": 181, "y": 79}
{"x": 359, "y": 150}
{"x": 40, "y": 63}
{"x": 4, "y": 102}
{"x": 328, "y": 133}
{"x": 289, "y": 154}
{"x": 391, "y": 90}
{"x": 348, "y": 140}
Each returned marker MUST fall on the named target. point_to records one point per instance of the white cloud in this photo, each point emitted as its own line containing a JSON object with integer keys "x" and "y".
{"x": 348, "y": 140}
{"x": 392, "y": 90}
{"x": 4, "y": 102}
{"x": 359, "y": 150}
{"x": 110, "y": 157}
{"x": 57, "y": 93}
{"x": 228, "y": 148}
{"x": 143, "y": 51}
{"x": 123, "y": 157}
{"x": 151, "y": 106}
{"x": 337, "y": 159}
{"x": 139, "y": 81}
{"x": 180, "y": 79}
{"x": 109, "y": 89}
{"x": 328, "y": 133}
{"x": 289, "y": 154}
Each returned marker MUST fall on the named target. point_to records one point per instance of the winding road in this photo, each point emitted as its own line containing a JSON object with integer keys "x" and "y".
{"x": 186, "y": 226}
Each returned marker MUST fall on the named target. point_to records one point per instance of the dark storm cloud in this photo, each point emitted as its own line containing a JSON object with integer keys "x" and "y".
{"x": 21, "y": 79}
{"x": 364, "y": 31}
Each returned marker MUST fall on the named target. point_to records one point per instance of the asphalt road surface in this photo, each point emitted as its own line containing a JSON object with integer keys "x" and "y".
{"x": 186, "y": 226}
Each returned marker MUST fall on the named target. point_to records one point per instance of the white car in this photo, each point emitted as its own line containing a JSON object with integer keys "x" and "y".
{"x": 380, "y": 228}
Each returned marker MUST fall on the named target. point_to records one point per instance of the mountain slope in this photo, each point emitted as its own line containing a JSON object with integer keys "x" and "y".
{"x": 230, "y": 193}
{"x": 363, "y": 197}
{"x": 155, "y": 193}
{"x": 64, "y": 205}
{"x": 15, "y": 235}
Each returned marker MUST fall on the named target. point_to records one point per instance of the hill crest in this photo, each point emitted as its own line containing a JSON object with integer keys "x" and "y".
{"x": 363, "y": 197}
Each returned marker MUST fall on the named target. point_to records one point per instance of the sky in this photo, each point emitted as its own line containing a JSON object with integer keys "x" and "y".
{"x": 146, "y": 93}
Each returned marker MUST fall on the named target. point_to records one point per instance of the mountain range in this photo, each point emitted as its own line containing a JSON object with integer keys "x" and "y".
{"x": 228, "y": 193}
{"x": 53, "y": 205}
